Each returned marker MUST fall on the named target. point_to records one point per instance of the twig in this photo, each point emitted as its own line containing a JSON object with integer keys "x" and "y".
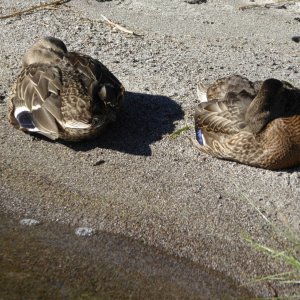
{"x": 267, "y": 5}
{"x": 119, "y": 27}
{"x": 36, "y": 7}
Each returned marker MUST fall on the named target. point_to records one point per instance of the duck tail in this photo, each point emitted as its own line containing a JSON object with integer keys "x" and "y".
{"x": 202, "y": 92}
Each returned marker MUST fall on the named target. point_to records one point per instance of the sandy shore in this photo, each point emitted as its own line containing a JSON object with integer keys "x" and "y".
{"x": 152, "y": 188}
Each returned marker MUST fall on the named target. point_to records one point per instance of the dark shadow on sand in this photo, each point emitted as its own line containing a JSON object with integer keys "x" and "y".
{"x": 143, "y": 120}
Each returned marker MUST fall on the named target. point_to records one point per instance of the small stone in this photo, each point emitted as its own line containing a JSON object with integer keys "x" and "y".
{"x": 84, "y": 231}
{"x": 30, "y": 222}
{"x": 195, "y": 1}
{"x": 99, "y": 162}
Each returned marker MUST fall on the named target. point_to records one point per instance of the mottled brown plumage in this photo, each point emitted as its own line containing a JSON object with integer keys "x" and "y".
{"x": 63, "y": 95}
{"x": 254, "y": 123}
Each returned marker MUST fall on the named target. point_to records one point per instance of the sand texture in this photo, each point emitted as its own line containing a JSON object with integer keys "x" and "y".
{"x": 149, "y": 187}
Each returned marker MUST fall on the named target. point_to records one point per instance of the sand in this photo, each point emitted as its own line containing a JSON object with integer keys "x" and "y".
{"x": 149, "y": 187}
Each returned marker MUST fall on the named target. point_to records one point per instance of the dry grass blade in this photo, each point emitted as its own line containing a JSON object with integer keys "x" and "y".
{"x": 119, "y": 27}
{"x": 34, "y": 8}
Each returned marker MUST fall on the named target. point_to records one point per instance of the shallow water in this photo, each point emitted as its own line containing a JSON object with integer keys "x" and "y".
{"x": 49, "y": 261}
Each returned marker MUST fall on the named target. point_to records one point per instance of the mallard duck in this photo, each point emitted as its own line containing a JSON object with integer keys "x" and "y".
{"x": 254, "y": 123}
{"x": 63, "y": 95}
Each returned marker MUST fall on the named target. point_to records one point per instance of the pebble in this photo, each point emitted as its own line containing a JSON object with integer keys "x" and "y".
{"x": 30, "y": 222}
{"x": 195, "y": 1}
{"x": 84, "y": 231}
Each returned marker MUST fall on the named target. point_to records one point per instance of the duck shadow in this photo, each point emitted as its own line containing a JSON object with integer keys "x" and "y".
{"x": 143, "y": 120}
{"x": 289, "y": 170}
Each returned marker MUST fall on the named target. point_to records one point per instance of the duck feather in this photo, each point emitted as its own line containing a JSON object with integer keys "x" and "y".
{"x": 61, "y": 93}
{"x": 255, "y": 123}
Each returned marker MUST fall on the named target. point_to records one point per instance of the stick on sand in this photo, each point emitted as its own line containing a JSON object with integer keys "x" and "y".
{"x": 34, "y": 8}
{"x": 275, "y": 3}
{"x": 119, "y": 27}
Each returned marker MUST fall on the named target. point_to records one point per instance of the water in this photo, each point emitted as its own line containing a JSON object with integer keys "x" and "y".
{"x": 49, "y": 261}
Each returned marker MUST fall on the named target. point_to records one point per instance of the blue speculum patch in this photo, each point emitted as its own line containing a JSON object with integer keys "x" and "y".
{"x": 199, "y": 136}
{"x": 25, "y": 120}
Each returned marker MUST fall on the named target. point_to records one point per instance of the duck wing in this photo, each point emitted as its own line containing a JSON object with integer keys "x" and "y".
{"x": 36, "y": 100}
{"x": 98, "y": 80}
{"x": 235, "y": 84}
{"x": 223, "y": 117}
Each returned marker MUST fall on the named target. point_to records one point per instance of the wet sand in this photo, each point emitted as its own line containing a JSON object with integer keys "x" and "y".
{"x": 49, "y": 261}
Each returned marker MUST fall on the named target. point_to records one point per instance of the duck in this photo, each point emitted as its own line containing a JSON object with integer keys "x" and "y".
{"x": 253, "y": 123}
{"x": 63, "y": 95}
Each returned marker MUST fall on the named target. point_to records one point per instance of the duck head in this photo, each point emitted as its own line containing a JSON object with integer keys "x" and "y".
{"x": 48, "y": 50}
{"x": 267, "y": 105}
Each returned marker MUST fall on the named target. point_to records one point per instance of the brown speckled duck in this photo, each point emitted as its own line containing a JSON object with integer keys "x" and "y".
{"x": 63, "y": 95}
{"x": 254, "y": 123}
